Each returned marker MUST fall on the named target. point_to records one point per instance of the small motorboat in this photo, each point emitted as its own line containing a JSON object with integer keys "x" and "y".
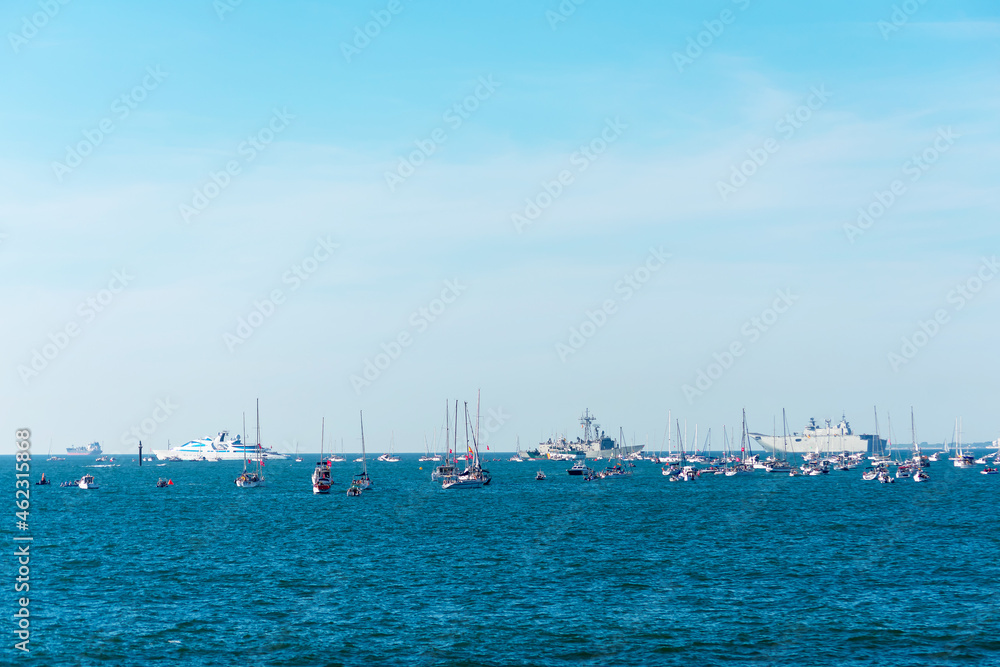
{"x": 579, "y": 468}
{"x": 87, "y": 482}
{"x": 354, "y": 490}
{"x": 539, "y": 475}
{"x": 161, "y": 483}
{"x": 988, "y": 471}
{"x": 920, "y": 476}
{"x": 43, "y": 481}
{"x": 885, "y": 478}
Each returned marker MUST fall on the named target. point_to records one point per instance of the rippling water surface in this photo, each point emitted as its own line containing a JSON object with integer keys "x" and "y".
{"x": 762, "y": 569}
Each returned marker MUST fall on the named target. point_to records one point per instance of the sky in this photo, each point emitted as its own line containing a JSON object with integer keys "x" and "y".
{"x": 654, "y": 211}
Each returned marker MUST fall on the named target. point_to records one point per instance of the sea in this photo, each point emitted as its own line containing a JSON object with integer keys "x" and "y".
{"x": 762, "y": 569}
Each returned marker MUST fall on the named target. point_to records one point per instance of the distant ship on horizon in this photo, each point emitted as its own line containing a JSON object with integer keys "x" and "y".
{"x": 814, "y": 438}
{"x": 594, "y": 444}
{"x": 93, "y": 448}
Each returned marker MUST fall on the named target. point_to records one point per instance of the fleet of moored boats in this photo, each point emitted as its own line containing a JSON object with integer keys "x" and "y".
{"x": 676, "y": 466}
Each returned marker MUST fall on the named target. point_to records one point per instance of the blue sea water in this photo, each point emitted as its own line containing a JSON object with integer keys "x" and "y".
{"x": 756, "y": 570}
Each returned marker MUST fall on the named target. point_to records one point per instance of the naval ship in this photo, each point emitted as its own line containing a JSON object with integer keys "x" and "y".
{"x": 814, "y": 438}
{"x": 594, "y": 444}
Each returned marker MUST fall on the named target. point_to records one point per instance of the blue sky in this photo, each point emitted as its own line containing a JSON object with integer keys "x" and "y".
{"x": 859, "y": 297}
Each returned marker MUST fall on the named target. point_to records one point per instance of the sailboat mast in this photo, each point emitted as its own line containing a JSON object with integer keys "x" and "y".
{"x": 322, "y": 436}
{"x": 454, "y": 449}
{"x": 670, "y": 444}
{"x": 364, "y": 463}
{"x": 466, "y": 428}
{"x": 260, "y": 454}
{"x": 244, "y": 441}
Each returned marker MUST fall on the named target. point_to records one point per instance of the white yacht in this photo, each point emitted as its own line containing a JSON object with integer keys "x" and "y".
{"x": 219, "y": 448}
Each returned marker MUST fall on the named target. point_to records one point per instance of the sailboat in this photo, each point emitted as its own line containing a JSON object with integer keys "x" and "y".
{"x": 961, "y": 459}
{"x": 253, "y": 476}
{"x": 362, "y": 482}
{"x": 687, "y": 473}
{"x": 617, "y": 470}
{"x": 744, "y": 467}
{"x": 390, "y": 457}
{"x": 474, "y": 476}
{"x": 298, "y": 459}
{"x": 782, "y": 465}
{"x": 446, "y": 470}
{"x": 427, "y": 452}
{"x": 338, "y": 458}
{"x": 321, "y": 474}
{"x": 517, "y": 454}
{"x": 53, "y": 458}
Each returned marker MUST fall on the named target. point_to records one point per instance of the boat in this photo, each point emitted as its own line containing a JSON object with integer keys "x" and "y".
{"x": 988, "y": 471}
{"x": 474, "y": 476}
{"x": 427, "y": 450}
{"x": 161, "y": 483}
{"x": 884, "y": 477}
{"x": 354, "y": 489}
{"x": 840, "y": 437}
{"x": 219, "y": 448}
{"x": 87, "y": 482}
{"x": 362, "y": 481}
{"x": 539, "y": 475}
{"x": 594, "y": 444}
{"x": 321, "y": 474}
{"x": 745, "y": 462}
{"x": 298, "y": 459}
{"x": 43, "y": 481}
{"x": 961, "y": 459}
{"x": 252, "y": 477}
{"x": 390, "y": 456}
{"x": 579, "y": 468}
{"x": 920, "y": 476}
{"x": 85, "y": 450}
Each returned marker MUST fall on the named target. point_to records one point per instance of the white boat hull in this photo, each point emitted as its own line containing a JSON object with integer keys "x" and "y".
{"x": 168, "y": 454}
